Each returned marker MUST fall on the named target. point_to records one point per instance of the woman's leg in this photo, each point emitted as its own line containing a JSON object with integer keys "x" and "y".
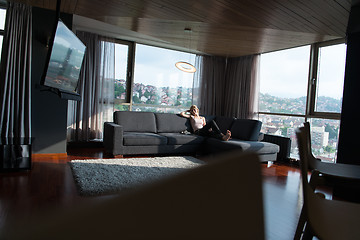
{"x": 211, "y": 129}
{"x": 214, "y": 130}
{"x": 217, "y": 132}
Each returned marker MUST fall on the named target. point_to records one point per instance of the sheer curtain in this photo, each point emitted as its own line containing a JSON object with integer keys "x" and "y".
{"x": 209, "y": 84}
{"x": 16, "y": 74}
{"x": 197, "y": 81}
{"x": 241, "y": 89}
{"x": 96, "y": 87}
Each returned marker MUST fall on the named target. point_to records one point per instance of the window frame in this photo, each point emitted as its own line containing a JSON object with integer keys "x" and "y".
{"x": 133, "y": 80}
{"x": 128, "y": 101}
{"x": 129, "y": 69}
{"x": 312, "y": 86}
{"x": 313, "y": 82}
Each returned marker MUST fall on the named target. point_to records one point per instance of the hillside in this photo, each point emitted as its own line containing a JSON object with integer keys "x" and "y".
{"x": 268, "y": 103}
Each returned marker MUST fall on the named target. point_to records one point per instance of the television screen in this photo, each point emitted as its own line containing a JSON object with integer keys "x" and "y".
{"x": 66, "y": 57}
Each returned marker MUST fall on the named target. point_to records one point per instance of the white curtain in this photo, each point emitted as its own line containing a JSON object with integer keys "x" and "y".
{"x": 96, "y": 87}
{"x": 15, "y": 74}
{"x": 197, "y": 81}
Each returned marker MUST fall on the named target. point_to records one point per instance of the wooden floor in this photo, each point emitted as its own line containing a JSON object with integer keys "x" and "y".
{"x": 50, "y": 185}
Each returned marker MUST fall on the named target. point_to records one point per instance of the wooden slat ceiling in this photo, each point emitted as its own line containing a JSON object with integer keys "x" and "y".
{"x": 220, "y": 27}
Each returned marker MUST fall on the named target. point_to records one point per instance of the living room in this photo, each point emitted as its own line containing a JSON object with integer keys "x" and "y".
{"x": 49, "y": 123}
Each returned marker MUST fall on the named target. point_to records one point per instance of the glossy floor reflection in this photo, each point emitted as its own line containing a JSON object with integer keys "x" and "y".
{"x": 282, "y": 200}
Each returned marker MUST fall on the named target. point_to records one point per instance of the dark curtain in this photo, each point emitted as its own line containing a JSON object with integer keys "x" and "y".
{"x": 227, "y": 86}
{"x": 209, "y": 82}
{"x": 241, "y": 94}
{"x": 16, "y": 74}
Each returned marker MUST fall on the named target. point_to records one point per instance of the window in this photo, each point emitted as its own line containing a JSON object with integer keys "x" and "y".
{"x": 325, "y": 100}
{"x": 283, "y": 89}
{"x": 123, "y": 70}
{"x": 283, "y": 81}
{"x": 288, "y": 98}
{"x": 324, "y": 138}
{"x": 2, "y": 26}
{"x": 328, "y": 78}
{"x": 121, "y": 57}
{"x": 158, "y": 85}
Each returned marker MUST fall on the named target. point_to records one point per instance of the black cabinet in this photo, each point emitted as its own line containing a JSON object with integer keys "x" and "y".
{"x": 15, "y": 155}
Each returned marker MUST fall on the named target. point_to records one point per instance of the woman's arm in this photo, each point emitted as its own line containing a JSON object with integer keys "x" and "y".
{"x": 185, "y": 114}
{"x": 204, "y": 121}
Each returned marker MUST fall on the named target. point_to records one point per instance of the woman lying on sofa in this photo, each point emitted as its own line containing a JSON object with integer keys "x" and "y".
{"x": 200, "y": 127}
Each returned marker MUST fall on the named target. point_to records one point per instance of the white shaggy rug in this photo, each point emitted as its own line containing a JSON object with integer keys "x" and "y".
{"x": 106, "y": 176}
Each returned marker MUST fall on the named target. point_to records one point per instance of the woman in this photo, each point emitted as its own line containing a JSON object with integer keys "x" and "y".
{"x": 200, "y": 127}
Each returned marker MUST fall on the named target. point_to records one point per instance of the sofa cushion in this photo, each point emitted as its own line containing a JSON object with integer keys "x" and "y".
{"x": 180, "y": 139}
{"x": 135, "y": 121}
{"x": 246, "y": 129}
{"x": 171, "y": 123}
{"x": 252, "y": 146}
{"x": 143, "y": 139}
{"x": 224, "y": 123}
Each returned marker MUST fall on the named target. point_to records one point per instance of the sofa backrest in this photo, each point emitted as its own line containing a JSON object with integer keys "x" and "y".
{"x": 246, "y": 129}
{"x": 136, "y": 121}
{"x": 169, "y": 122}
{"x": 224, "y": 123}
{"x": 243, "y": 129}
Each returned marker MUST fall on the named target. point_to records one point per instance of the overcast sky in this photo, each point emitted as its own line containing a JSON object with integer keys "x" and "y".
{"x": 156, "y": 66}
{"x": 2, "y": 18}
{"x": 285, "y": 73}
{"x": 282, "y": 73}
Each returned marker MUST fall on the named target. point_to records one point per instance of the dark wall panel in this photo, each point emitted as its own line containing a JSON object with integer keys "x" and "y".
{"x": 49, "y": 112}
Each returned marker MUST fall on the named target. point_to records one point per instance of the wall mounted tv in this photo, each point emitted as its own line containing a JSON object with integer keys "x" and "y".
{"x": 63, "y": 65}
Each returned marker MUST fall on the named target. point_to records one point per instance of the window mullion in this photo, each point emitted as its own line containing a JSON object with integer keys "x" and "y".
{"x": 130, "y": 74}
{"x": 312, "y": 82}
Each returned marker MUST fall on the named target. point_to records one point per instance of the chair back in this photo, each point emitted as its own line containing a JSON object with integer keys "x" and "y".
{"x": 311, "y": 201}
{"x": 303, "y": 145}
{"x": 308, "y": 151}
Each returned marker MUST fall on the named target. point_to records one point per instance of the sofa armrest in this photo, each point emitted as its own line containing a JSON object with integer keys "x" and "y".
{"x": 261, "y": 137}
{"x": 283, "y": 142}
{"x": 113, "y": 138}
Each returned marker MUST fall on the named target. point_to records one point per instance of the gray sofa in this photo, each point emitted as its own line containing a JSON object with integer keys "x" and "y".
{"x": 163, "y": 133}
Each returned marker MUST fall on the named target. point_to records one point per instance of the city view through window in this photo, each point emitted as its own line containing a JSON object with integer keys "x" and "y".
{"x": 158, "y": 85}
{"x": 283, "y": 96}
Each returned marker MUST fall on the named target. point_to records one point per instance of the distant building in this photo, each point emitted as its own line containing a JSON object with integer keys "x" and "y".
{"x": 143, "y": 99}
{"x": 319, "y": 138}
{"x": 291, "y": 132}
{"x": 273, "y": 131}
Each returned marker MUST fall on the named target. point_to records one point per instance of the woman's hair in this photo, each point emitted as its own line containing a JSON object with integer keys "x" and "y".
{"x": 192, "y": 107}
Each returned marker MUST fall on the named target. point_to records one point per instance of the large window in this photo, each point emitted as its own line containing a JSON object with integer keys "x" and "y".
{"x": 283, "y": 81}
{"x": 158, "y": 85}
{"x": 304, "y": 84}
{"x": 283, "y": 89}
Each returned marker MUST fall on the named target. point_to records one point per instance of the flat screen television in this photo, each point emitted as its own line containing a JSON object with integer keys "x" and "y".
{"x": 64, "y": 60}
